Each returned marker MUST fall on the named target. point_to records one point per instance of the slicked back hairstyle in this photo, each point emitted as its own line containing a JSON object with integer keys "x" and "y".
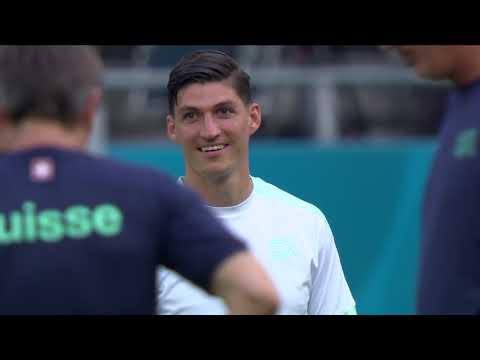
{"x": 207, "y": 66}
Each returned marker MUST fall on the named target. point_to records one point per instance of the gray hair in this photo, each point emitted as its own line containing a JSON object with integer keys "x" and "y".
{"x": 47, "y": 81}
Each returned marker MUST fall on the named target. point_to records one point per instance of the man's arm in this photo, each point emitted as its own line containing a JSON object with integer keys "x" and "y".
{"x": 244, "y": 286}
{"x": 330, "y": 293}
{"x": 203, "y": 251}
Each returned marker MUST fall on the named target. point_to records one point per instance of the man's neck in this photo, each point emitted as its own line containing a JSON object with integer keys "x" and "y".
{"x": 467, "y": 70}
{"x": 36, "y": 133}
{"x": 221, "y": 191}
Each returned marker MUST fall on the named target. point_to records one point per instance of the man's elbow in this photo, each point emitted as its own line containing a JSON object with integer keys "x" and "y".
{"x": 268, "y": 302}
{"x": 245, "y": 286}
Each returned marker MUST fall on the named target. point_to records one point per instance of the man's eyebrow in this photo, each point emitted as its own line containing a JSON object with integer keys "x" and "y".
{"x": 225, "y": 103}
{"x": 187, "y": 108}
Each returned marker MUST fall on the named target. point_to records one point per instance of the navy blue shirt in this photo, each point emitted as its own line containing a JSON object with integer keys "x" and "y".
{"x": 84, "y": 235}
{"x": 450, "y": 262}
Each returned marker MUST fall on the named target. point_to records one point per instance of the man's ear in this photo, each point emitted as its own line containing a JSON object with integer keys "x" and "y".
{"x": 3, "y": 117}
{"x": 90, "y": 107}
{"x": 6, "y": 130}
{"x": 255, "y": 118}
{"x": 171, "y": 129}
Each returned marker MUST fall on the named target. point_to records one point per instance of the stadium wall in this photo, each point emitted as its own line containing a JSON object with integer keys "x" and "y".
{"x": 371, "y": 193}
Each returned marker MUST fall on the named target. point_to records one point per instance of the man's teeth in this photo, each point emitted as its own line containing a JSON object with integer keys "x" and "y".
{"x": 212, "y": 148}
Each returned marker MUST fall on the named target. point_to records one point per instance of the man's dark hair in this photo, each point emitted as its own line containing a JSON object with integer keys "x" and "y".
{"x": 47, "y": 81}
{"x": 207, "y": 66}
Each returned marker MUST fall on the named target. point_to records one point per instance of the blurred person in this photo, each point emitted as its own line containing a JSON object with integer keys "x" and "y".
{"x": 212, "y": 116}
{"x": 84, "y": 235}
{"x": 449, "y": 280}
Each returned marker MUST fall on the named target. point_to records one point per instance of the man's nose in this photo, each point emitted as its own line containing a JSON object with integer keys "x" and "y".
{"x": 210, "y": 129}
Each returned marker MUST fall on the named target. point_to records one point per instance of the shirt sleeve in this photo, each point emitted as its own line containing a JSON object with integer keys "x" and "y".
{"x": 196, "y": 242}
{"x": 330, "y": 293}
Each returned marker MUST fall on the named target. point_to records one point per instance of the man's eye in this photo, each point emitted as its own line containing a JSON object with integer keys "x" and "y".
{"x": 189, "y": 116}
{"x": 225, "y": 111}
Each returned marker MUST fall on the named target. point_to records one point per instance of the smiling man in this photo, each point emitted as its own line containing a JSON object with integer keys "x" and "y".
{"x": 212, "y": 116}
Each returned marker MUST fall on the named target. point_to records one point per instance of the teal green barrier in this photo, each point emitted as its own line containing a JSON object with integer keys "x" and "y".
{"x": 371, "y": 195}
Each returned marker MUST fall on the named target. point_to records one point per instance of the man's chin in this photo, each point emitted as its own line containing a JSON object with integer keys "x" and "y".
{"x": 428, "y": 74}
{"x": 215, "y": 172}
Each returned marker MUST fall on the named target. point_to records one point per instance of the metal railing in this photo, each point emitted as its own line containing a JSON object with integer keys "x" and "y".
{"x": 323, "y": 80}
